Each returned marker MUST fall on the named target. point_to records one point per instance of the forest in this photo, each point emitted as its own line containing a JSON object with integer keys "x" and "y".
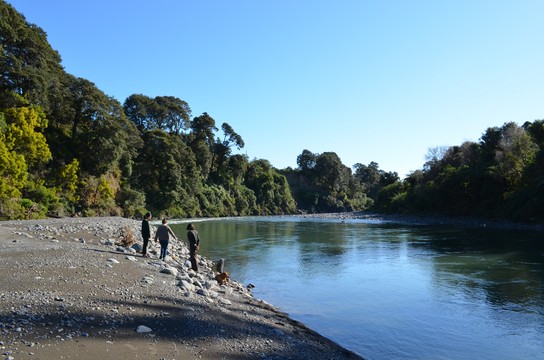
{"x": 68, "y": 149}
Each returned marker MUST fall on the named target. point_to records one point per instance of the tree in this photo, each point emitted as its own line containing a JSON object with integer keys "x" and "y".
{"x": 167, "y": 174}
{"x": 28, "y": 65}
{"x": 271, "y": 189}
{"x": 167, "y": 113}
{"x": 201, "y": 141}
{"x": 203, "y": 128}
{"x": 22, "y": 149}
{"x": 174, "y": 114}
{"x": 306, "y": 161}
{"x": 515, "y": 151}
{"x": 222, "y": 150}
{"x": 140, "y": 109}
{"x": 331, "y": 174}
{"x": 24, "y": 134}
{"x": 100, "y": 132}
{"x": 369, "y": 177}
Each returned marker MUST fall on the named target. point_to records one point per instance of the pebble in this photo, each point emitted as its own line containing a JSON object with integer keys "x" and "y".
{"x": 142, "y": 329}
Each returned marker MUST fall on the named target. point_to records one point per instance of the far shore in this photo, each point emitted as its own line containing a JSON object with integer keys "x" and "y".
{"x": 429, "y": 219}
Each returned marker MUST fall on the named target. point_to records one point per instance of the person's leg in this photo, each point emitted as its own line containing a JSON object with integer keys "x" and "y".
{"x": 144, "y": 250}
{"x": 194, "y": 264}
{"x": 164, "y": 247}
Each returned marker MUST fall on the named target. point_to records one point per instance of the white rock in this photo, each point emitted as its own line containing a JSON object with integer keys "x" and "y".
{"x": 131, "y": 258}
{"x": 169, "y": 270}
{"x": 186, "y": 285}
{"x": 228, "y": 291}
{"x": 225, "y": 301}
{"x": 142, "y": 329}
{"x": 112, "y": 260}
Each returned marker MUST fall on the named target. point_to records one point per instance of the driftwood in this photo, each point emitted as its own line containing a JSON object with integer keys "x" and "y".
{"x": 127, "y": 236}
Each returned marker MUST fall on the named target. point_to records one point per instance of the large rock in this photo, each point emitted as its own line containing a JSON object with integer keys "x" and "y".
{"x": 170, "y": 270}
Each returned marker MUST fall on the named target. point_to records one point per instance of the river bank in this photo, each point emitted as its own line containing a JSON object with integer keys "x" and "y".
{"x": 69, "y": 291}
{"x": 470, "y": 222}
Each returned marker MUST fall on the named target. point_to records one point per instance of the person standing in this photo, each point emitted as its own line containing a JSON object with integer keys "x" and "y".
{"x": 194, "y": 245}
{"x": 146, "y": 233}
{"x": 163, "y": 235}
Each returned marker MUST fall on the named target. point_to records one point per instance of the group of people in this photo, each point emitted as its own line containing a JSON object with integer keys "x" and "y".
{"x": 163, "y": 234}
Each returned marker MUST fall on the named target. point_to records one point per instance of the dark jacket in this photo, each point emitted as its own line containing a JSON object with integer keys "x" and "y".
{"x": 146, "y": 232}
{"x": 194, "y": 240}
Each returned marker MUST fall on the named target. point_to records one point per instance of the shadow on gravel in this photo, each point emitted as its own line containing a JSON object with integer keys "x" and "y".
{"x": 191, "y": 323}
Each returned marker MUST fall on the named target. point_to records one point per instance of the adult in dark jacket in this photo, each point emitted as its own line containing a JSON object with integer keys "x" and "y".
{"x": 194, "y": 245}
{"x": 146, "y": 233}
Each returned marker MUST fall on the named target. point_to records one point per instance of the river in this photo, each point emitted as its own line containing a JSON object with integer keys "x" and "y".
{"x": 391, "y": 291}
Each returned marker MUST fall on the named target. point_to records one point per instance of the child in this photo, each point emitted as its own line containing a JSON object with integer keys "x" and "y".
{"x": 163, "y": 234}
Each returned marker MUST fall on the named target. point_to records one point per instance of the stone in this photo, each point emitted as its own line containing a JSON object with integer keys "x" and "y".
{"x": 142, "y": 329}
{"x": 184, "y": 284}
{"x": 137, "y": 247}
{"x": 148, "y": 279}
{"x": 225, "y": 301}
{"x": 220, "y": 264}
{"x": 170, "y": 270}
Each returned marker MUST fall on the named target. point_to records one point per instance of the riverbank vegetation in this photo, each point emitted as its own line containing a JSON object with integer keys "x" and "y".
{"x": 67, "y": 148}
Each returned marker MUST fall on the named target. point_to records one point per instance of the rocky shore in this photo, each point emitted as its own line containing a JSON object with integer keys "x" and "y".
{"x": 431, "y": 219}
{"x": 69, "y": 290}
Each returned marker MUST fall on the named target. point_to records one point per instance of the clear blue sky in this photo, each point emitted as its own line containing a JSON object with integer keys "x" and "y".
{"x": 379, "y": 81}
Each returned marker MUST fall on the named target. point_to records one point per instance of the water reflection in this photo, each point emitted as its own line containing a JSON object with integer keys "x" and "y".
{"x": 391, "y": 291}
{"x": 507, "y": 265}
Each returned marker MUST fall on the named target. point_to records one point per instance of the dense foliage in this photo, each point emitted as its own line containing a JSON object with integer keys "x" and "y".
{"x": 67, "y": 148}
{"x": 501, "y": 176}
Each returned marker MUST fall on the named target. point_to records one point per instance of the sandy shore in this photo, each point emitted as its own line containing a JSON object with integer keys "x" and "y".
{"x": 68, "y": 293}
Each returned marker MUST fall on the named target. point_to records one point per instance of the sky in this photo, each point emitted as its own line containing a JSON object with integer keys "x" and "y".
{"x": 372, "y": 81}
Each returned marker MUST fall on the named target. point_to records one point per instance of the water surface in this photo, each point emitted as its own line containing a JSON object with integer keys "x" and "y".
{"x": 390, "y": 291}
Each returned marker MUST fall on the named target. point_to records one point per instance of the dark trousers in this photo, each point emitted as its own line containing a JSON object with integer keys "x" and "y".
{"x": 192, "y": 257}
{"x": 144, "y": 250}
{"x": 164, "y": 247}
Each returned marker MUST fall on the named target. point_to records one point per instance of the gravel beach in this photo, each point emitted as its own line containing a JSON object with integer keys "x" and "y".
{"x": 70, "y": 291}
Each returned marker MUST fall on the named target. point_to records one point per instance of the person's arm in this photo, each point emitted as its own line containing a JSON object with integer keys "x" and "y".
{"x": 172, "y": 233}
